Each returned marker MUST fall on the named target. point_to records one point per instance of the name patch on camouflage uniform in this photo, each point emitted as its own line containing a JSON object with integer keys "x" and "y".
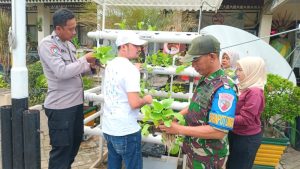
{"x": 221, "y": 120}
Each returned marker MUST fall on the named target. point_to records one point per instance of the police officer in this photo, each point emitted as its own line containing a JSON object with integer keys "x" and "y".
{"x": 210, "y": 114}
{"x": 64, "y": 101}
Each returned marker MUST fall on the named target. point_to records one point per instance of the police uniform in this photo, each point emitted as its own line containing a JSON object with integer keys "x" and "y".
{"x": 213, "y": 103}
{"x": 64, "y": 101}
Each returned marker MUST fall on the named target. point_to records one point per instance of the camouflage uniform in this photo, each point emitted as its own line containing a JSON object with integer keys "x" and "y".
{"x": 203, "y": 110}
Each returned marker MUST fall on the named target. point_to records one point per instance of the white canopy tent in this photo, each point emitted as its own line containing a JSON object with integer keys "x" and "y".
{"x": 201, "y": 5}
{"x": 208, "y": 5}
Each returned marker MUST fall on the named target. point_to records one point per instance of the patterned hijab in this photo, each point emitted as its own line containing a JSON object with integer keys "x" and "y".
{"x": 255, "y": 73}
{"x": 234, "y": 57}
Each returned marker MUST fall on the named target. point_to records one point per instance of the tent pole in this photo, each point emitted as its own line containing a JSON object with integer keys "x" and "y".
{"x": 200, "y": 18}
{"x": 103, "y": 15}
{"x": 98, "y": 22}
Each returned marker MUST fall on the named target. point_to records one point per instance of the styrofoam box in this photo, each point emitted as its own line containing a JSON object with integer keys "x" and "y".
{"x": 165, "y": 162}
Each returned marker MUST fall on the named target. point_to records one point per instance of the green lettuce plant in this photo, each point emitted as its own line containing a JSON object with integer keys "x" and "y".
{"x": 161, "y": 113}
{"x": 103, "y": 54}
{"x": 159, "y": 59}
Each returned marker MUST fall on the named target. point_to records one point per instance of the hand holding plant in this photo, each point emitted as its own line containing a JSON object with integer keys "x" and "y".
{"x": 103, "y": 53}
{"x": 161, "y": 113}
{"x": 148, "y": 99}
{"x": 89, "y": 57}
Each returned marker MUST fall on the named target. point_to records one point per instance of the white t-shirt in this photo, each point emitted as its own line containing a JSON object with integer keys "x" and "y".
{"x": 121, "y": 77}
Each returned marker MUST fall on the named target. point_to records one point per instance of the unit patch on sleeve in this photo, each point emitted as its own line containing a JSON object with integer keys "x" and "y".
{"x": 54, "y": 50}
{"x": 225, "y": 101}
{"x": 222, "y": 111}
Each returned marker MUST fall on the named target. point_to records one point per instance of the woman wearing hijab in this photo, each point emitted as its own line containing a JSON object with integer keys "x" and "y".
{"x": 228, "y": 62}
{"x": 245, "y": 138}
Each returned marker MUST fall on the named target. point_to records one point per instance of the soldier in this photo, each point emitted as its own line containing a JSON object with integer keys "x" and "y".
{"x": 64, "y": 101}
{"x": 210, "y": 114}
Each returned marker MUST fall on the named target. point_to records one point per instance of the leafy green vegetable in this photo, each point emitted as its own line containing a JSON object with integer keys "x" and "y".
{"x": 159, "y": 59}
{"x": 145, "y": 130}
{"x": 180, "y": 68}
{"x": 161, "y": 112}
{"x": 174, "y": 149}
{"x": 76, "y": 42}
{"x": 140, "y": 25}
{"x": 151, "y": 28}
{"x": 103, "y": 53}
{"x": 121, "y": 25}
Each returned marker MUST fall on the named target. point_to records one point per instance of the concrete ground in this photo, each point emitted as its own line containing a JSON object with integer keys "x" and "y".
{"x": 89, "y": 152}
{"x": 290, "y": 159}
{"x": 87, "y": 155}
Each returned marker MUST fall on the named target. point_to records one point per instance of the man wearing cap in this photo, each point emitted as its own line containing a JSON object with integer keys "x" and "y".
{"x": 210, "y": 114}
{"x": 122, "y": 103}
{"x": 64, "y": 101}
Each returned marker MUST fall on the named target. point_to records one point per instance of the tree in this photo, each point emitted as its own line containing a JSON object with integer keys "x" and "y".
{"x": 5, "y": 22}
{"x": 150, "y": 17}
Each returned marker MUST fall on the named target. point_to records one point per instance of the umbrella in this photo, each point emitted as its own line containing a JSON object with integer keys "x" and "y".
{"x": 235, "y": 39}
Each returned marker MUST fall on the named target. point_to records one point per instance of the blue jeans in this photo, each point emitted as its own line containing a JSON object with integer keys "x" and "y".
{"x": 127, "y": 148}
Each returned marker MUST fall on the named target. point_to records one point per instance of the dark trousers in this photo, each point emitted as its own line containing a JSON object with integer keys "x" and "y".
{"x": 242, "y": 150}
{"x": 65, "y": 132}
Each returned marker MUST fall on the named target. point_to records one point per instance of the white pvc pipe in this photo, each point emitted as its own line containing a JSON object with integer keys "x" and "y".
{"x": 189, "y": 71}
{"x": 151, "y": 139}
{"x": 191, "y": 90}
{"x": 179, "y": 105}
{"x": 98, "y": 22}
{"x": 19, "y": 72}
{"x": 93, "y": 90}
{"x": 91, "y": 117}
{"x": 150, "y": 36}
{"x": 98, "y": 132}
{"x": 93, "y": 97}
{"x": 178, "y": 95}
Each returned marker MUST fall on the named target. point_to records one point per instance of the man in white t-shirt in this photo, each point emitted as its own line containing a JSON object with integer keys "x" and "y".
{"x": 122, "y": 103}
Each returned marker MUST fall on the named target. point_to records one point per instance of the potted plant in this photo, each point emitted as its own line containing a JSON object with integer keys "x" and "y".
{"x": 282, "y": 107}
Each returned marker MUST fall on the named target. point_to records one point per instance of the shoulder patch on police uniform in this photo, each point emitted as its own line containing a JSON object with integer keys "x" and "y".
{"x": 225, "y": 101}
{"x": 54, "y": 50}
